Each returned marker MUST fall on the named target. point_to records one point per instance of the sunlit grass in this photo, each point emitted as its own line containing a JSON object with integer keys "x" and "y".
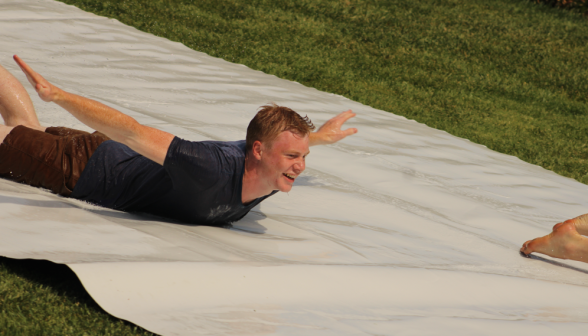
{"x": 42, "y": 298}
{"x": 511, "y": 75}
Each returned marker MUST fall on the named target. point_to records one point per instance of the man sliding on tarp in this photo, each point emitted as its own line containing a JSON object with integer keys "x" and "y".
{"x": 131, "y": 167}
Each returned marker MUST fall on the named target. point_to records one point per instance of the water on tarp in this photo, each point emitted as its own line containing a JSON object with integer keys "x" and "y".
{"x": 399, "y": 229}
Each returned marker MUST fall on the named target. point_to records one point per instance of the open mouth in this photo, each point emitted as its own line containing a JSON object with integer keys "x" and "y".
{"x": 289, "y": 177}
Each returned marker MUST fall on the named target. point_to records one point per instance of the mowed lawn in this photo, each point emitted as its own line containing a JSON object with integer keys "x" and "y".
{"x": 511, "y": 75}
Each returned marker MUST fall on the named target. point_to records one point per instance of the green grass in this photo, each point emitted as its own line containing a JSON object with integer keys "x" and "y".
{"x": 42, "y": 298}
{"x": 511, "y": 75}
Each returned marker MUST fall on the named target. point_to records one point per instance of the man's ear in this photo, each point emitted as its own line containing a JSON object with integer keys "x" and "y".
{"x": 257, "y": 149}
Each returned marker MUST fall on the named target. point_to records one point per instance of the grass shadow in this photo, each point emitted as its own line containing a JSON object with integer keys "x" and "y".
{"x": 61, "y": 280}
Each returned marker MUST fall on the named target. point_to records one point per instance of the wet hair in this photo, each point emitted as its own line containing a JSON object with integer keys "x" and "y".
{"x": 271, "y": 120}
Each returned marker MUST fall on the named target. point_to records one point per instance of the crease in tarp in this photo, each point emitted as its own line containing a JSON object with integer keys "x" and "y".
{"x": 399, "y": 228}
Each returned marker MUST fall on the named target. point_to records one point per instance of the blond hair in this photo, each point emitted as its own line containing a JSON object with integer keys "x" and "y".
{"x": 271, "y": 120}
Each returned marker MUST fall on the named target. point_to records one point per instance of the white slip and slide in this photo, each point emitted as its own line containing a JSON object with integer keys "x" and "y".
{"x": 399, "y": 229}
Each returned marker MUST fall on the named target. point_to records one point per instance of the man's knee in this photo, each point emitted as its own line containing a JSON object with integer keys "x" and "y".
{"x": 4, "y": 130}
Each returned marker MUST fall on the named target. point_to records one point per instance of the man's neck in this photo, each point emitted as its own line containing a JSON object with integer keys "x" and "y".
{"x": 253, "y": 183}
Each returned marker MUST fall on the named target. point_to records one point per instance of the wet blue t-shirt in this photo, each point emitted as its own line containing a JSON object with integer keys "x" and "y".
{"x": 199, "y": 182}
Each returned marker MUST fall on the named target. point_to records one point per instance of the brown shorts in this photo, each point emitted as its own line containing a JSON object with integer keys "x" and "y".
{"x": 53, "y": 159}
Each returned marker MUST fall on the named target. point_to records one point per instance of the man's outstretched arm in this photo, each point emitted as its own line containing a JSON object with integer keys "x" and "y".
{"x": 147, "y": 141}
{"x": 330, "y": 132}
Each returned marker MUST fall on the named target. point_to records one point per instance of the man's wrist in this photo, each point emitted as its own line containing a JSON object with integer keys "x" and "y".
{"x": 315, "y": 139}
{"x": 58, "y": 95}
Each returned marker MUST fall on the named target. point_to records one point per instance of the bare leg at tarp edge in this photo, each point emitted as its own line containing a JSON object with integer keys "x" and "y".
{"x": 16, "y": 106}
{"x": 566, "y": 241}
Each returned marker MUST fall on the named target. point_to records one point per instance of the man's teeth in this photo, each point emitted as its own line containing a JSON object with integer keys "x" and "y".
{"x": 289, "y": 176}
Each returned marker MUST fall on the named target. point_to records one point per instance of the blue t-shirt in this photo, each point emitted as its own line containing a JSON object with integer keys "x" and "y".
{"x": 199, "y": 182}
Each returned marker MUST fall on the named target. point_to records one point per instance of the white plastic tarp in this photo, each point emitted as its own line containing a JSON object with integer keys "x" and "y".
{"x": 399, "y": 229}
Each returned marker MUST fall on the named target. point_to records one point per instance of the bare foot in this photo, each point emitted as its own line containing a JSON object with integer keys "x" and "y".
{"x": 563, "y": 242}
{"x": 581, "y": 223}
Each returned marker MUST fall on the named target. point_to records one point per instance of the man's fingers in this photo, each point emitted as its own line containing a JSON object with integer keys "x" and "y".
{"x": 33, "y": 77}
{"x": 18, "y": 60}
{"x": 42, "y": 86}
{"x": 28, "y": 71}
{"x": 331, "y": 132}
{"x": 344, "y": 116}
{"x": 350, "y": 131}
{"x": 338, "y": 121}
{"x": 23, "y": 66}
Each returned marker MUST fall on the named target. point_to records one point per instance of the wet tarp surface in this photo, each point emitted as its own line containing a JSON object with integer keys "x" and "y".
{"x": 400, "y": 229}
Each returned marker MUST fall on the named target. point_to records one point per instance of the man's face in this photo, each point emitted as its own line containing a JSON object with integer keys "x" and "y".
{"x": 284, "y": 160}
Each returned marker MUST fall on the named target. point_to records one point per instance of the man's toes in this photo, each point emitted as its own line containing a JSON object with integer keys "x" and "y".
{"x": 527, "y": 248}
{"x": 565, "y": 228}
{"x": 558, "y": 225}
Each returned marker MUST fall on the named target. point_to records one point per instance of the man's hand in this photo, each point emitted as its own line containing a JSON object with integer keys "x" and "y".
{"x": 147, "y": 141}
{"x": 331, "y": 131}
{"x": 47, "y": 91}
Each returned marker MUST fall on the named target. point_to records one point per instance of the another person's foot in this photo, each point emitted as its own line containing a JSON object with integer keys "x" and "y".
{"x": 563, "y": 242}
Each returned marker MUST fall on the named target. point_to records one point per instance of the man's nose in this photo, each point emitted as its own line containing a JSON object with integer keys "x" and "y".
{"x": 299, "y": 166}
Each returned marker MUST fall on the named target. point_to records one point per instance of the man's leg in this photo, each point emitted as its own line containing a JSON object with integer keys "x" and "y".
{"x": 566, "y": 241}
{"x": 52, "y": 157}
{"x": 4, "y": 130}
{"x": 16, "y": 106}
